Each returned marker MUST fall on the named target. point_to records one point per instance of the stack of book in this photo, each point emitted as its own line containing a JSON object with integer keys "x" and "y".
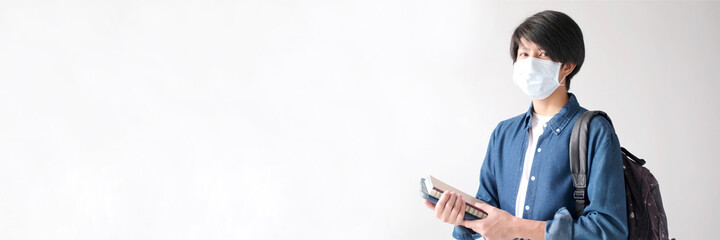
{"x": 432, "y": 188}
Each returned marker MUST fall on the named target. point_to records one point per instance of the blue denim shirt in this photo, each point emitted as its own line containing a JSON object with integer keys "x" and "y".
{"x": 550, "y": 195}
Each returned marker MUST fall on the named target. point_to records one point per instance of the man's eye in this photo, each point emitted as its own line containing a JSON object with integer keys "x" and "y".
{"x": 543, "y": 54}
{"x": 523, "y": 54}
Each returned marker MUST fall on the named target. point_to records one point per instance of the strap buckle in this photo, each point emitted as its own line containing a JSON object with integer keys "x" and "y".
{"x": 579, "y": 194}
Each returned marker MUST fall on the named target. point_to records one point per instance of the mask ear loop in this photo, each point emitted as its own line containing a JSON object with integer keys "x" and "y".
{"x": 562, "y": 82}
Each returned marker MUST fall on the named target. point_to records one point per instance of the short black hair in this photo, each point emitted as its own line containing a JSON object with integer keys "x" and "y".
{"x": 557, "y": 34}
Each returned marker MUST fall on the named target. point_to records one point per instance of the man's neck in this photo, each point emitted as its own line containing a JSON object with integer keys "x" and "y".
{"x": 552, "y": 104}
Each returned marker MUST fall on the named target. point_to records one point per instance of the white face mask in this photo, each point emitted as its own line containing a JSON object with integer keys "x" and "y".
{"x": 538, "y": 78}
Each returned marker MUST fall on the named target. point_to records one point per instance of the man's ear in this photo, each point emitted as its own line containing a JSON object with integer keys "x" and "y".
{"x": 566, "y": 69}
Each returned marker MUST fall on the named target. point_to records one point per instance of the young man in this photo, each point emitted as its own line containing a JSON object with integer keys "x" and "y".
{"x": 525, "y": 178}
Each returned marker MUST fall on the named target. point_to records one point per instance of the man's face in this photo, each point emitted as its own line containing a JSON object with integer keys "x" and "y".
{"x": 530, "y": 49}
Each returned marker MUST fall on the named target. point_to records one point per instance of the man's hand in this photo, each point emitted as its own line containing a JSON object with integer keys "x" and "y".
{"x": 499, "y": 224}
{"x": 450, "y": 208}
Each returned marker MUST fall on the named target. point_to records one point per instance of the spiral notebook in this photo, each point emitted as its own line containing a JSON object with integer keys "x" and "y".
{"x": 431, "y": 189}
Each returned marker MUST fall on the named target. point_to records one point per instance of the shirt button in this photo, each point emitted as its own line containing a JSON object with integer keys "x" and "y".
{"x": 539, "y": 149}
{"x": 532, "y": 178}
{"x": 557, "y": 130}
{"x": 545, "y": 125}
{"x": 527, "y": 207}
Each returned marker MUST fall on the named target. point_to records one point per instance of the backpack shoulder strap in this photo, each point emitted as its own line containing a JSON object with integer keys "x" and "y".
{"x": 578, "y": 157}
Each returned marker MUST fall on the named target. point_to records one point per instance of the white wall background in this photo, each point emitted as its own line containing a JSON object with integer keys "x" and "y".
{"x": 315, "y": 119}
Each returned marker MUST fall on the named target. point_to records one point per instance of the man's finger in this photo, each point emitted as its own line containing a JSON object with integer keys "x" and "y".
{"x": 467, "y": 223}
{"x": 460, "y": 204}
{"x": 448, "y": 207}
{"x": 484, "y": 206}
{"x": 440, "y": 206}
{"x": 430, "y": 205}
{"x": 472, "y": 223}
{"x": 456, "y": 210}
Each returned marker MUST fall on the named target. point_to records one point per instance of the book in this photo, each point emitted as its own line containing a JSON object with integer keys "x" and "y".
{"x": 431, "y": 189}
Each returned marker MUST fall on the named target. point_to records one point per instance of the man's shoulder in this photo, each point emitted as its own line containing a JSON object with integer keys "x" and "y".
{"x": 513, "y": 123}
{"x": 601, "y": 126}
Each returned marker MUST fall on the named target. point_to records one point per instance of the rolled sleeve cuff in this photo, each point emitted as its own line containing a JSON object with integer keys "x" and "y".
{"x": 561, "y": 226}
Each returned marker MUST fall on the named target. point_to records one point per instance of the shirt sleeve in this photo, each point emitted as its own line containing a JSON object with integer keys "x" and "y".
{"x": 487, "y": 191}
{"x": 606, "y": 214}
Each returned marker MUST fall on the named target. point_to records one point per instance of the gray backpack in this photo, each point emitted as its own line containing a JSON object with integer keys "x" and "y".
{"x": 646, "y": 215}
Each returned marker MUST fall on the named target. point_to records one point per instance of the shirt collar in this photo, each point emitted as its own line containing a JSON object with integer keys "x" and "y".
{"x": 561, "y": 119}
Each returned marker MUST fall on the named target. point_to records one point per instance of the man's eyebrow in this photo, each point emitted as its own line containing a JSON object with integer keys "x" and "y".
{"x": 525, "y": 48}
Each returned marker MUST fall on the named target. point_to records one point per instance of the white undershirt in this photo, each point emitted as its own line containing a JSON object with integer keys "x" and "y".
{"x": 534, "y": 134}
